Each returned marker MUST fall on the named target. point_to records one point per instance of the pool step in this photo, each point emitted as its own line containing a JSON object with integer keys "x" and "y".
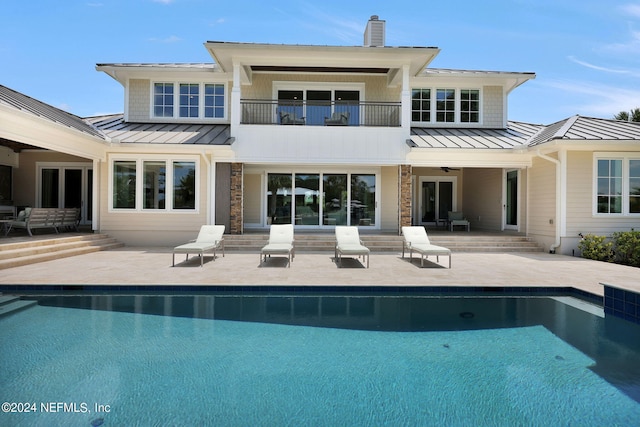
{"x": 32, "y": 252}
{"x": 11, "y": 304}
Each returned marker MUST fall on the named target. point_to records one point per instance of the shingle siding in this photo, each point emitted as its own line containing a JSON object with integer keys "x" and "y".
{"x": 493, "y": 107}
{"x": 139, "y": 100}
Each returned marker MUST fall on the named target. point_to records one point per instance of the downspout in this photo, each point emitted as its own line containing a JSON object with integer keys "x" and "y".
{"x": 556, "y": 244}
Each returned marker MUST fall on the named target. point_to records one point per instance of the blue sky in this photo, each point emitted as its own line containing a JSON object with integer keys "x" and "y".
{"x": 586, "y": 53}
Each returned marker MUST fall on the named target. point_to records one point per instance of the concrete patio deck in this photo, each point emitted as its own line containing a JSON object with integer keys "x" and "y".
{"x": 152, "y": 266}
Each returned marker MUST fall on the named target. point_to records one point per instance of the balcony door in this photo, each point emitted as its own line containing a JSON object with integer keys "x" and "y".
{"x": 317, "y": 101}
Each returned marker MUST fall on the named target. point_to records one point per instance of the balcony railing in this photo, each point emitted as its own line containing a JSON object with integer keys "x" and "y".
{"x": 320, "y": 113}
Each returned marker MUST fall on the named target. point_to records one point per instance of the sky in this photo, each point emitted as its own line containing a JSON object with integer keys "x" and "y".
{"x": 585, "y": 53}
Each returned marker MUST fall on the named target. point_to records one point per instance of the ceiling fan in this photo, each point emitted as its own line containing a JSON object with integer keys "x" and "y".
{"x": 448, "y": 169}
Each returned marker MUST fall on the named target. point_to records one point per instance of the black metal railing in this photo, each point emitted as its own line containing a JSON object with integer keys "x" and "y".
{"x": 320, "y": 113}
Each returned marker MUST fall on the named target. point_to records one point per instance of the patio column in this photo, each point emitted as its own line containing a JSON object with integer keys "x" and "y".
{"x": 237, "y": 222}
{"x": 405, "y": 195}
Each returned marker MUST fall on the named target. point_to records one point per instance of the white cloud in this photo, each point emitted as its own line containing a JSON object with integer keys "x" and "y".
{"x": 595, "y": 99}
{"x": 597, "y": 67}
{"x": 631, "y": 9}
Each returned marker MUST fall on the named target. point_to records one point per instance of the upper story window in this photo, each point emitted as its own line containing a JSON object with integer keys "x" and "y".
{"x": 617, "y": 185}
{"x": 421, "y": 105}
{"x": 193, "y": 100}
{"x": 443, "y": 105}
{"x": 163, "y": 100}
{"x": 469, "y": 106}
{"x": 189, "y": 99}
{"x": 446, "y": 105}
{"x": 214, "y": 100}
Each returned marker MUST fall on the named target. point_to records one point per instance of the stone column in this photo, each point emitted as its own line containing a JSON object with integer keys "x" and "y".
{"x": 237, "y": 221}
{"x": 405, "y": 195}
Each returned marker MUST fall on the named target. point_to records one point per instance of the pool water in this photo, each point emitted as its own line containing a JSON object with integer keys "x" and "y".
{"x": 323, "y": 360}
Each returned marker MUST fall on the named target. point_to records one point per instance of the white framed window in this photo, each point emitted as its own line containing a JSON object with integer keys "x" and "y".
{"x": 616, "y": 184}
{"x": 154, "y": 184}
{"x": 446, "y": 105}
{"x": 469, "y": 106}
{"x": 190, "y": 101}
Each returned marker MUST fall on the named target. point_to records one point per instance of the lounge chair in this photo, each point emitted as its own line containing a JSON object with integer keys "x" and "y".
{"x": 290, "y": 118}
{"x": 348, "y": 243}
{"x": 458, "y": 219}
{"x": 337, "y": 119}
{"x": 416, "y": 239}
{"x": 209, "y": 239}
{"x": 280, "y": 243}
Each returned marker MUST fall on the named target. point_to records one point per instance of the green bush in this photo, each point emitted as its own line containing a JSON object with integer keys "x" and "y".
{"x": 596, "y": 247}
{"x": 626, "y": 245}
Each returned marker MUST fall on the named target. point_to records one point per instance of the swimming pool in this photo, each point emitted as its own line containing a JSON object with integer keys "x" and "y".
{"x": 318, "y": 360}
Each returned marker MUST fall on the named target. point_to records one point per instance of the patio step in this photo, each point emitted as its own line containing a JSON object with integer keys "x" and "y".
{"x": 32, "y": 252}
{"x": 252, "y": 242}
{"x": 11, "y": 304}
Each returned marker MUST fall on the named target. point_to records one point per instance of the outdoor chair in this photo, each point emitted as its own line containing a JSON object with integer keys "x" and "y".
{"x": 280, "y": 242}
{"x": 416, "y": 240}
{"x": 289, "y": 118}
{"x": 209, "y": 239}
{"x": 348, "y": 243}
{"x": 337, "y": 119}
{"x": 458, "y": 219}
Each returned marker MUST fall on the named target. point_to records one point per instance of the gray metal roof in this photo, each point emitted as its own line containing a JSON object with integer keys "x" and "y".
{"x": 515, "y": 135}
{"x": 118, "y": 130}
{"x": 578, "y": 128}
{"x": 37, "y": 108}
{"x": 522, "y": 135}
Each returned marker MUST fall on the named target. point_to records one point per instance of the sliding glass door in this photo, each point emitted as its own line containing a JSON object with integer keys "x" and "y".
{"x": 321, "y": 200}
{"x": 62, "y": 186}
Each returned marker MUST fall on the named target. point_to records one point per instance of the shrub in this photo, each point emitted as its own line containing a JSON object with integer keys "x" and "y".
{"x": 596, "y": 247}
{"x": 626, "y": 245}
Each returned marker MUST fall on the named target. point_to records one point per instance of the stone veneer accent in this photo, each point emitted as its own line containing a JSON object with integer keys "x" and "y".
{"x": 237, "y": 221}
{"x": 405, "y": 195}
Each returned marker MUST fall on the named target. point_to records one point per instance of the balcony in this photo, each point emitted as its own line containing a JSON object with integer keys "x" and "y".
{"x": 320, "y": 113}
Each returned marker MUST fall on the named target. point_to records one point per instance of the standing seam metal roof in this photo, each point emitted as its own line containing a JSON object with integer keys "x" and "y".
{"x": 37, "y": 108}
{"x": 118, "y": 130}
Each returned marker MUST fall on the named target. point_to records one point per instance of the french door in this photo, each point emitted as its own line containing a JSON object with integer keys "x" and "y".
{"x": 436, "y": 199}
{"x": 511, "y": 200}
{"x": 66, "y": 186}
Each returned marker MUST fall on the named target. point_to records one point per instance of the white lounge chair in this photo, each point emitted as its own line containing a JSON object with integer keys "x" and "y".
{"x": 209, "y": 239}
{"x": 416, "y": 239}
{"x": 348, "y": 243}
{"x": 280, "y": 243}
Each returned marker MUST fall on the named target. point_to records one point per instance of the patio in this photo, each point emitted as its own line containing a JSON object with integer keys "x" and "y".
{"x": 152, "y": 266}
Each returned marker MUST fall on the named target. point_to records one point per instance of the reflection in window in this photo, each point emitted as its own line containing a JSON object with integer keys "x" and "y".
{"x": 363, "y": 199}
{"x": 5, "y": 183}
{"x": 307, "y": 204}
{"x": 279, "y": 198}
{"x": 609, "y": 186}
{"x": 163, "y": 100}
{"x": 184, "y": 185}
{"x": 124, "y": 185}
{"x": 335, "y": 199}
{"x": 634, "y": 186}
{"x": 155, "y": 174}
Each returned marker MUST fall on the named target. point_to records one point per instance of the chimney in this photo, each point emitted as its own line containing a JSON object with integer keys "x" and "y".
{"x": 374, "y": 33}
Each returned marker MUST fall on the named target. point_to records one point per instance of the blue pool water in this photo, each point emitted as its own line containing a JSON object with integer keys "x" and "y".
{"x": 319, "y": 360}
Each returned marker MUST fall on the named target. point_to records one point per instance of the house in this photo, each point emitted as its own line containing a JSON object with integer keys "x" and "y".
{"x": 319, "y": 136}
